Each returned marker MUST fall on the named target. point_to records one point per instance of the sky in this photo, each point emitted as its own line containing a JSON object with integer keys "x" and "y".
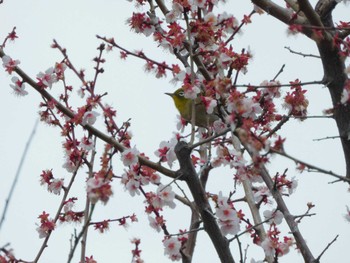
{"x": 140, "y": 96}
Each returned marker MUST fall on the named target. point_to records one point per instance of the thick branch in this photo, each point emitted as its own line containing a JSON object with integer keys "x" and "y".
{"x": 310, "y": 13}
{"x": 281, "y": 13}
{"x": 281, "y": 205}
{"x": 189, "y": 175}
{"x": 335, "y": 77}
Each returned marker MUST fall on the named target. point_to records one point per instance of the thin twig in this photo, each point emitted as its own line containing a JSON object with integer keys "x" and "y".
{"x": 327, "y": 138}
{"x": 301, "y": 54}
{"x": 14, "y": 183}
{"x": 316, "y": 82}
{"x": 310, "y": 166}
{"x": 279, "y": 72}
{"x": 329, "y": 244}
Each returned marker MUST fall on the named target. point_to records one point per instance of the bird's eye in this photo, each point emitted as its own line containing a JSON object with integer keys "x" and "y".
{"x": 181, "y": 94}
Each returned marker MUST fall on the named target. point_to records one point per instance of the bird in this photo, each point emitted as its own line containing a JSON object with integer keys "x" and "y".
{"x": 184, "y": 106}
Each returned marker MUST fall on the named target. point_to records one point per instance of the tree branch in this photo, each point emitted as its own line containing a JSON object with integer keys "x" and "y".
{"x": 310, "y": 13}
{"x": 189, "y": 175}
{"x": 281, "y": 205}
{"x": 104, "y": 137}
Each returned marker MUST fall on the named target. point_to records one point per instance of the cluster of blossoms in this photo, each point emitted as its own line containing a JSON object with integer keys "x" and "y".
{"x": 18, "y": 86}
{"x": 137, "y": 175}
{"x": 296, "y": 101}
{"x": 99, "y": 188}
{"x": 228, "y": 217}
{"x": 68, "y": 214}
{"x": 273, "y": 246}
{"x": 54, "y": 185}
{"x": 46, "y": 225}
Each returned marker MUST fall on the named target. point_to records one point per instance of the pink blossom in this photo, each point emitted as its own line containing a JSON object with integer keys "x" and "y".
{"x": 9, "y": 64}
{"x": 228, "y": 21}
{"x": 227, "y": 216}
{"x": 98, "y": 188}
{"x": 191, "y": 91}
{"x": 46, "y": 225}
{"x": 130, "y": 156}
{"x": 154, "y": 224}
{"x": 268, "y": 247}
{"x": 272, "y": 90}
{"x": 87, "y": 144}
{"x": 275, "y": 217}
{"x": 141, "y": 23}
{"x": 47, "y": 78}
{"x": 166, "y": 196}
{"x": 18, "y": 87}
{"x": 209, "y": 104}
{"x": 70, "y": 166}
{"x": 56, "y": 186}
{"x": 262, "y": 192}
{"x": 166, "y": 151}
{"x": 172, "y": 248}
{"x": 175, "y": 13}
{"x": 292, "y": 186}
{"x": 89, "y": 117}
{"x": 133, "y": 187}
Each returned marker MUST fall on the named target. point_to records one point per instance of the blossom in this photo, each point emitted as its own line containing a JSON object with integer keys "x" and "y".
{"x": 9, "y": 64}
{"x": 90, "y": 260}
{"x": 70, "y": 166}
{"x": 164, "y": 196}
{"x": 166, "y": 151}
{"x": 272, "y": 89}
{"x": 18, "y": 87}
{"x": 87, "y": 144}
{"x": 209, "y": 104}
{"x": 275, "y": 217}
{"x": 141, "y": 23}
{"x": 268, "y": 247}
{"x": 227, "y": 216}
{"x": 292, "y": 186}
{"x": 191, "y": 91}
{"x": 133, "y": 187}
{"x": 175, "y": 13}
{"x": 156, "y": 223}
{"x": 47, "y": 78}
{"x": 56, "y": 186}
{"x": 46, "y": 225}
{"x": 129, "y": 156}
{"x": 89, "y": 117}
{"x": 172, "y": 248}
{"x": 59, "y": 70}
{"x": 262, "y": 193}
{"x": 98, "y": 188}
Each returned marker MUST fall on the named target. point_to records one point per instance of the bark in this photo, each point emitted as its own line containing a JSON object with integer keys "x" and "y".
{"x": 189, "y": 175}
{"x": 334, "y": 76}
{"x": 333, "y": 64}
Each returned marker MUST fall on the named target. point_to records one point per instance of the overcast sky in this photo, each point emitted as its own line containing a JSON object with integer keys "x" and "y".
{"x": 140, "y": 96}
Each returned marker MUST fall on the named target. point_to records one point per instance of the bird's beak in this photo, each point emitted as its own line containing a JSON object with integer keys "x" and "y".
{"x": 169, "y": 94}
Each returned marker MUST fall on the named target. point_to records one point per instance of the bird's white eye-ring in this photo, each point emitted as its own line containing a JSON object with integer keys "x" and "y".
{"x": 181, "y": 94}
